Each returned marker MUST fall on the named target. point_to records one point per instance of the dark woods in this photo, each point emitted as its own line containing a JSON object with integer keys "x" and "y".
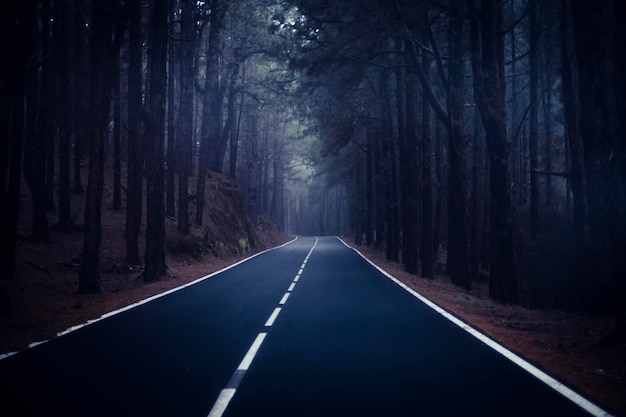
{"x": 483, "y": 137}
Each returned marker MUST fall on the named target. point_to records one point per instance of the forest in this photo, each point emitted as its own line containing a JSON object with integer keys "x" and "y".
{"x": 484, "y": 138}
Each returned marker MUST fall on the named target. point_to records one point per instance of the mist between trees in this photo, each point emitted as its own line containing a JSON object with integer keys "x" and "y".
{"x": 483, "y": 137}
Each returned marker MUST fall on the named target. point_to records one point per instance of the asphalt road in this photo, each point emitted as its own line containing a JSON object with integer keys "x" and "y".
{"x": 309, "y": 329}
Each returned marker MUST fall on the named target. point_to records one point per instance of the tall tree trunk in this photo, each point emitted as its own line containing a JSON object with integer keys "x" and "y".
{"x": 211, "y": 109}
{"x": 185, "y": 116}
{"x": 251, "y": 166}
{"x": 37, "y": 135}
{"x": 547, "y": 132}
{"x": 48, "y": 98}
{"x": 571, "y": 107}
{"x": 426, "y": 185}
{"x": 407, "y": 114}
{"x": 234, "y": 140}
{"x": 533, "y": 140}
{"x": 18, "y": 29}
{"x": 619, "y": 273}
{"x": 487, "y": 52}
{"x": 476, "y": 199}
{"x": 155, "y": 126}
{"x": 82, "y": 77}
{"x": 134, "y": 202}
{"x": 369, "y": 178}
{"x": 389, "y": 172}
{"x": 458, "y": 212}
{"x": 101, "y": 34}
{"x": 173, "y": 60}
{"x": 117, "y": 138}
{"x": 65, "y": 214}
{"x": 597, "y": 141}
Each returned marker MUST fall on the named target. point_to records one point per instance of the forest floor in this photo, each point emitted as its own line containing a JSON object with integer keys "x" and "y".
{"x": 566, "y": 345}
{"x": 44, "y": 297}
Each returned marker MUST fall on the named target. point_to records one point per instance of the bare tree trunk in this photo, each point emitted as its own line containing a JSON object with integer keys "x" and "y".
{"x": 155, "y": 127}
{"x": 487, "y": 54}
{"x": 134, "y": 203}
{"x": 596, "y": 140}
{"x": 212, "y": 108}
{"x": 251, "y": 165}
{"x": 389, "y": 158}
{"x": 369, "y": 178}
{"x": 571, "y": 107}
{"x": 37, "y": 135}
{"x": 101, "y": 34}
{"x": 117, "y": 136}
{"x": 172, "y": 62}
{"x": 534, "y": 122}
{"x": 408, "y": 170}
{"x": 18, "y": 23}
{"x": 65, "y": 130}
{"x": 185, "y": 116}
{"x": 620, "y": 150}
{"x": 458, "y": 211}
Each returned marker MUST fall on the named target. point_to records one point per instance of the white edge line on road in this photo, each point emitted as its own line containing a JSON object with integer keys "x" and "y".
{"x": 561, "y": 388}
{"x": 152, "y": 298}
{"x": 227, "y": 394}
{"x": 270, "y": 321}
{"x": 247, "y": 360}
{"x": 222, "y": 402}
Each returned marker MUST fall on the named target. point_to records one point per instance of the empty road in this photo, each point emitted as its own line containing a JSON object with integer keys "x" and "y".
{"x": 307, "y": 329}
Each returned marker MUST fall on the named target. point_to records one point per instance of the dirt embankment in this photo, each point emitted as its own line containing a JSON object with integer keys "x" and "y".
{"x": 565, "y": 345}
{"x": 43, "y": 296}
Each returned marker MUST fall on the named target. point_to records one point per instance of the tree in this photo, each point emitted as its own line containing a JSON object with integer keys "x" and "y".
{"x": 212, "y": 107}
{"x": 154, "y": 120}
{"x": 603, "y": 158}
{"x": 135, "y": 138}
{"x": 65, "y": 122}
{"x": 458, "y": 217}
{"x": 105, "y": 43}
{"x": 487, "y": 56}
{"x": 185, "y": 116}
{"x": 19, "y": 25}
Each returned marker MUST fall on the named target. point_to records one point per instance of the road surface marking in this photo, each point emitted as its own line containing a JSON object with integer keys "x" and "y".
{"x": 152, "y": 298}
{"x": 247, "y": 360}
{"x": 227, "y": 394}
{"x": 222, "y": 402}
{"x": 272, "y": 319}
{"x": 568, "y": 393}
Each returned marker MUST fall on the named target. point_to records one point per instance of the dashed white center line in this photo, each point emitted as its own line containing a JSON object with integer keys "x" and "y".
{"x": 222, "y": 402}
{"x": 227, "y": 394}
{"x": 247, "y": 360}
{"x": 272, "y": 319}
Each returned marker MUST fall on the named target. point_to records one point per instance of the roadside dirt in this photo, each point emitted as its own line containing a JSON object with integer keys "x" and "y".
{"x": 564, "y": 345}
{"x": 44, "y": 297}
